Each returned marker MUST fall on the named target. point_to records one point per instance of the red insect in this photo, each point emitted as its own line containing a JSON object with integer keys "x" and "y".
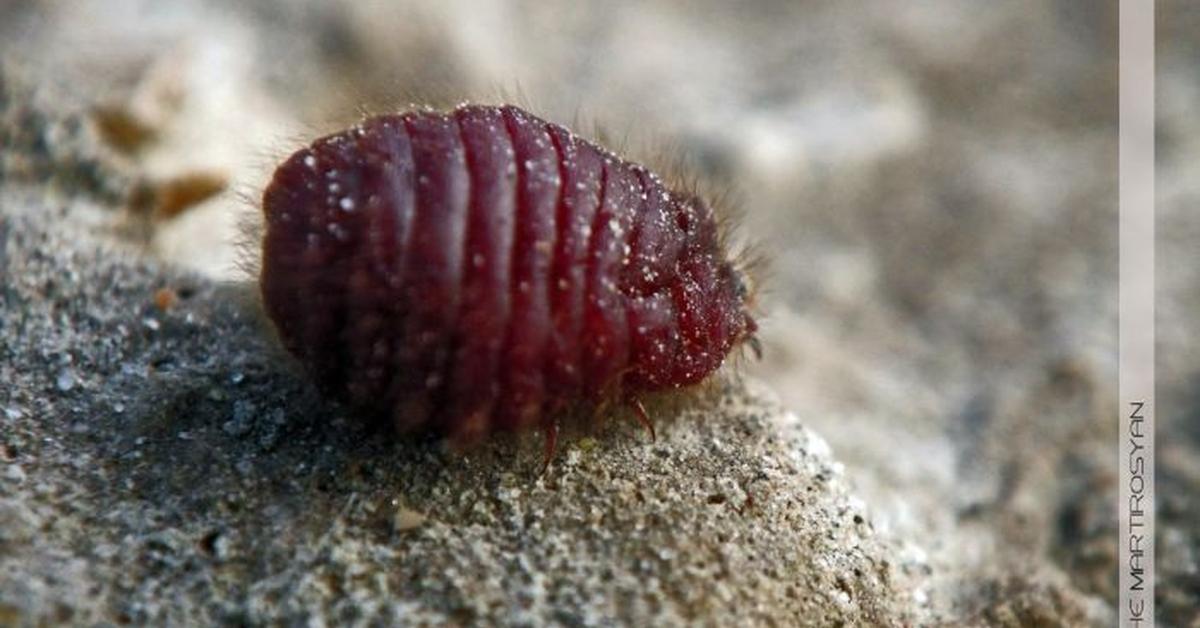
{"x": 480, "y": 269}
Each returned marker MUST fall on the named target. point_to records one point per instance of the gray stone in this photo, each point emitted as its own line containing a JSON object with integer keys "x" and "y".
{"x": 736, "y": 513}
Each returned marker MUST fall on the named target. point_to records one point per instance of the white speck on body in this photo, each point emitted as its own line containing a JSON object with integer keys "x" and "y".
{"x": 337, "y": 231}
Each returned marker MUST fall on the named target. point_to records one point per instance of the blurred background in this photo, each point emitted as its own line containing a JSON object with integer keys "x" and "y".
{"x": 933, "y": 185}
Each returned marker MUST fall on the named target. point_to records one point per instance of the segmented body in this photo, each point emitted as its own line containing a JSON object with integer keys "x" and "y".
{"x": 479, "y": 269}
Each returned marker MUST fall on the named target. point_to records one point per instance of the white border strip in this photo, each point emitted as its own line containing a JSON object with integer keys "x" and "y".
{"x": 1136, "y": 310}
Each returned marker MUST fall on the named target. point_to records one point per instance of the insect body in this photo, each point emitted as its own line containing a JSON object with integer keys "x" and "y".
{"x": 479, "y": 269}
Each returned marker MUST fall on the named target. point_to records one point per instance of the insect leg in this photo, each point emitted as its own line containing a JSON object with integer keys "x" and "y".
{"x": 640, "y": 411}
{"x": 550, "y": 429}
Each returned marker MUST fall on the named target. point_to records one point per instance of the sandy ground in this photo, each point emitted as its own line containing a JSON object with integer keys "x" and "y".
{"x": 933, "y": 186}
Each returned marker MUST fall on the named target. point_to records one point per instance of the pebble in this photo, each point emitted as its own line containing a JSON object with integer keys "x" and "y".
{"x": 220, "y": 547}
{"x": 406, "y": 520}
{"x": 65, "y": 380}
{"x": 242, "y": 420}
{"x": 14, "y": 473}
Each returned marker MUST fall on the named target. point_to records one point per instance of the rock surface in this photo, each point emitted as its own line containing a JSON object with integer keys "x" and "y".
{"x": 166, "y": 466}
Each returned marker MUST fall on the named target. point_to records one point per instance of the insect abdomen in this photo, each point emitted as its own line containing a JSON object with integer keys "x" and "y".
{"x": 476, "y": 269}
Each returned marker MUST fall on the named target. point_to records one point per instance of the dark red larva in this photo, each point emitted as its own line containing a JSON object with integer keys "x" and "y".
{"x": 479, "y": 269}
